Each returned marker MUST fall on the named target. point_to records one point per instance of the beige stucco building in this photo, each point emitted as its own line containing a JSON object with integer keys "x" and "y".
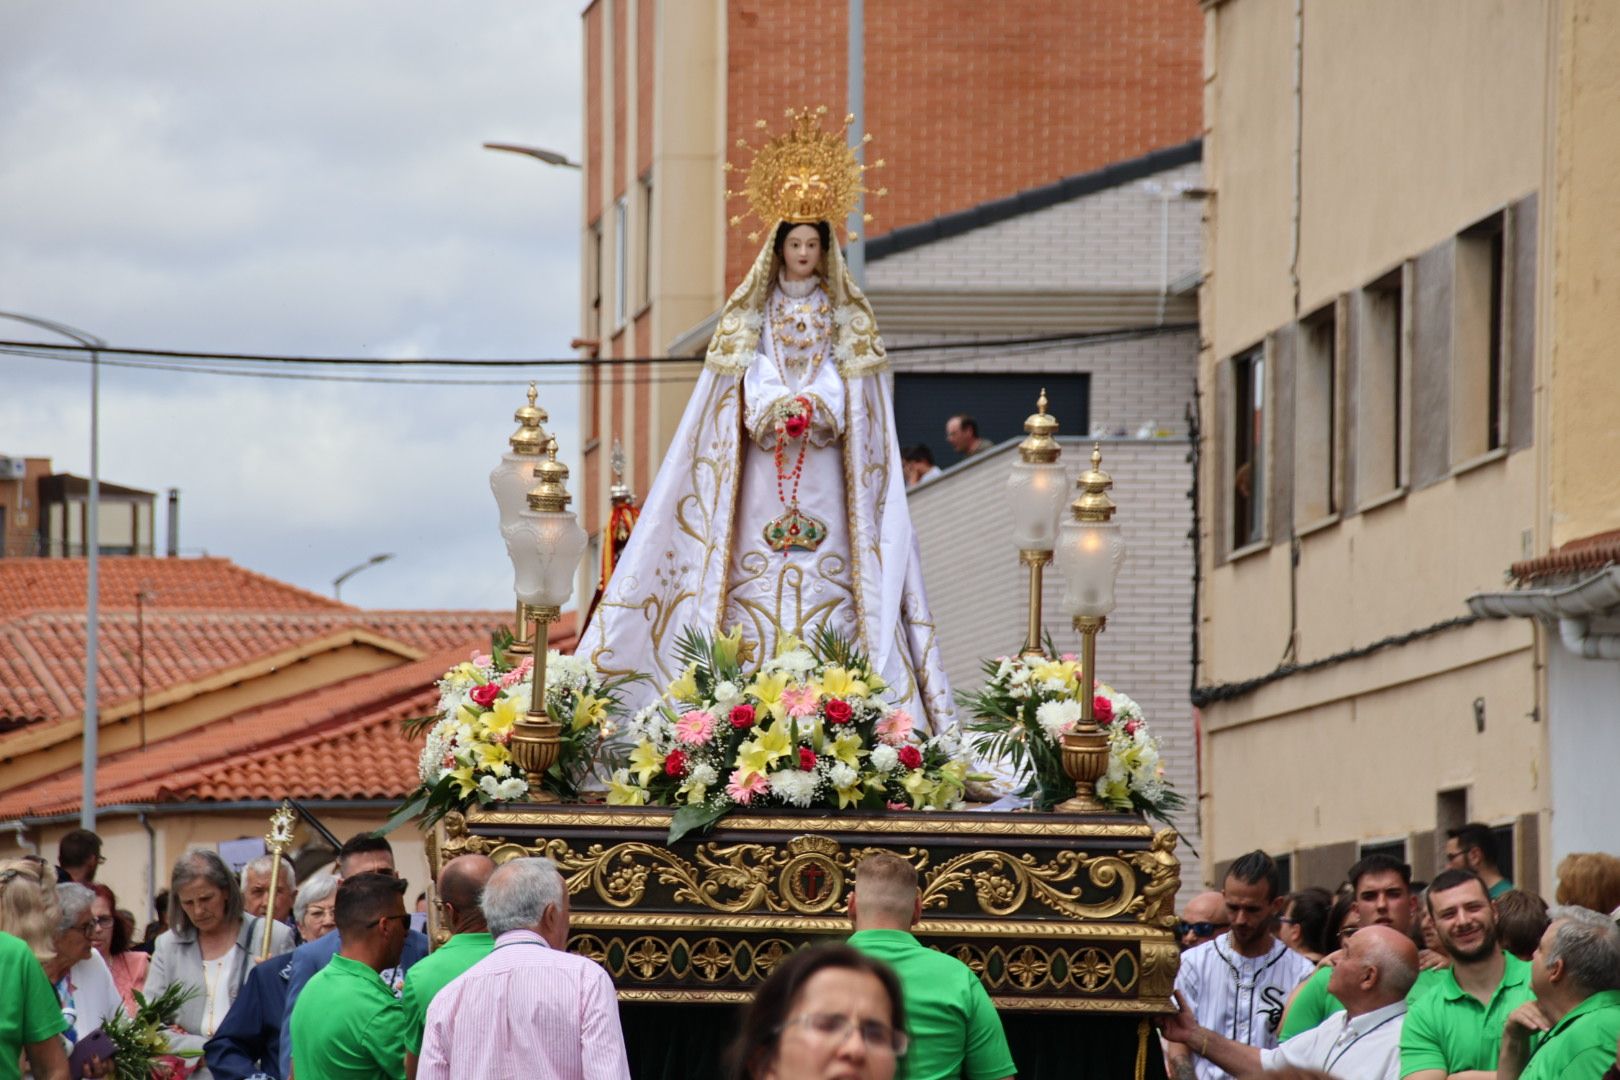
{"x": 1404, "y": 384}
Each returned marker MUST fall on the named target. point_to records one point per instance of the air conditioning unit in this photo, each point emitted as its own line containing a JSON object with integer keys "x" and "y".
{"x": 13, "y": 468}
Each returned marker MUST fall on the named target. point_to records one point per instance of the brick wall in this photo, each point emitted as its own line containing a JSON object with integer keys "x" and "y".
{"x": 969, "y": 101}
{"x": 978, "y": 590}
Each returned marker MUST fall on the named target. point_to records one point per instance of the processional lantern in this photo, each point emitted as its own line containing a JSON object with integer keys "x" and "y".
{"x": 1035, "y": 495}
{"x": 511, "y": 480}
{"x": 545, "y": 543}
{"x": 1089, "y": 554}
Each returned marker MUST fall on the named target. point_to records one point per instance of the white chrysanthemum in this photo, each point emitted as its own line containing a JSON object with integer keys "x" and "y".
{"x": 796, "y": 662}
{"x": 794, "y": 787}
{"x": 948, "y": 741}
{"x": 1057, "y": 717}
{"x": 703, "y": 773}
{"x": 842, "y": 775}
{"x": 514, "y": 788}
{"x": 726, "y": 695}
{"x": 1019, "y": 676}
{"x": 490, "y": 786}
{"x": 885, "y": 758}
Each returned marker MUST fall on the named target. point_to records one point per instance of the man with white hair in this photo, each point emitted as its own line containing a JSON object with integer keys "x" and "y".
{"x": 256, "y": 887}
{"x": 1569, "y": 1031}
{"x": 541, "y": 1011}
{"x": 1363, "y": 1040}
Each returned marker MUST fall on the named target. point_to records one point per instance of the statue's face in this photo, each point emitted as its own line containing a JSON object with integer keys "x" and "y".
{"x": 801, "y": 252}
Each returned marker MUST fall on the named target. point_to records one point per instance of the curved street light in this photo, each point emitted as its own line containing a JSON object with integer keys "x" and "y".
{"x": 550, "y": 157}
{"x": 92, "y": 549}
{"x": 337, "y": 582}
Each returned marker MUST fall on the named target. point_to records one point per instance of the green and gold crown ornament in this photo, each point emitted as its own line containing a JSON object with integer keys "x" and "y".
{"x": 805, "y": 174}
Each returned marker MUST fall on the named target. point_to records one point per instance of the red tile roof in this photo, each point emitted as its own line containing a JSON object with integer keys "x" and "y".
{"x": 339, "y": 742}
{"x": 206, "y": 584}
{"x": 42, "y": 654}
{"x": 1588, "y": 554}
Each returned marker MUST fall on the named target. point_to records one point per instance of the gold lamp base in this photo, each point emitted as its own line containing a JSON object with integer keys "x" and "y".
{"x": 535, "y": 747}
{"x": 1085, "y": 760}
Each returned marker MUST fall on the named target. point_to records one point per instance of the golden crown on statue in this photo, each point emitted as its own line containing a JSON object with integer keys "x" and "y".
{"x": 805, "y": 174}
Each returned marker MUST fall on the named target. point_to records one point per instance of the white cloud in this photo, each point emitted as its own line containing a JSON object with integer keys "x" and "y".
{"x": 305, "y": 178}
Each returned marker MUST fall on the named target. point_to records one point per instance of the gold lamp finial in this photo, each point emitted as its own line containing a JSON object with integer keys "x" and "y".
{"x": 1093, "y": 503}
{"x": 1040, "y": 446}
{"x": 530, "y": 438}
{"x": 550, "y": 494}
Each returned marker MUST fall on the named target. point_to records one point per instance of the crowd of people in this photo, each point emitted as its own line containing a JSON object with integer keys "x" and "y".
{"x": 1460, "y": 977}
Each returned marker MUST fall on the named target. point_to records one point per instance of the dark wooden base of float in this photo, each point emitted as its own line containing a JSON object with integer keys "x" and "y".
{"x": 1066, "y": 917}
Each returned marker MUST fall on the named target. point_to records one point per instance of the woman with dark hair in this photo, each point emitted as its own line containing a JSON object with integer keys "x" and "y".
{"x": 830, "y": 1006}
{"x": 1304, "y": 923}
{"x": 112, "y": 942}
{"x": 209, "y": 947}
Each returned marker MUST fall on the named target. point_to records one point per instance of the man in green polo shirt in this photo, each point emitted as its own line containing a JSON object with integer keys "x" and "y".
{"x": 1382, "y": 887}
{"x": 954, "y": 1029}
{"x": 1569, "y": 1031}
{"x": 1473, "y": 847}
{"x": 30, "y": 1016}
{"x": 461, "y": 885}
{"x": 1457, "y": 1027}
{"x": 347, "y": 1024}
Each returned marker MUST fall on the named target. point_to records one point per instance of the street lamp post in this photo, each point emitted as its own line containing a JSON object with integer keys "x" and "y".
{"x": 92, "y": 550}
{"x": 550, "y": 157}
{"x": 337, "y": 582}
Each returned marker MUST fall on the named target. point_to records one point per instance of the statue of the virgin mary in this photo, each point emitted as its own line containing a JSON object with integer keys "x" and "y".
{"x": 781, "y": 505}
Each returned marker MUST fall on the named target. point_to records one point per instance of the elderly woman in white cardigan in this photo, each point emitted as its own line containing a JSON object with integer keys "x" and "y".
{"x": 210, "y": 946}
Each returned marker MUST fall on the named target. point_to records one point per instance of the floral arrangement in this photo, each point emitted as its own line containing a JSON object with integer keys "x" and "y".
{"x": 468, "y": 759}
{"x": 141, "y": 1045}
{"x": 1022, "y": 713}
{"x": 808, "y": 728}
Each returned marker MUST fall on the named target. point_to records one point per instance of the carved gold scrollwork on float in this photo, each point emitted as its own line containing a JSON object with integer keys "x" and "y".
{"x": 1100, "y": 970}
{"x": 1002, "y": 882}
{"x": 1160, "y": 960}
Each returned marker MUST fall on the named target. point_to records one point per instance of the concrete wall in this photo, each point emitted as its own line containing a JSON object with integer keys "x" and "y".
{"x": 1581, "y": 734}
{"x": 979, "y": 591}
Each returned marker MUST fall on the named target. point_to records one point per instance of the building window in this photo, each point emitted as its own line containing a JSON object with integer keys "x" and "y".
{"x": 645, "y": 210}
{"x": 1248, "y": 447}
{"x": 1479, "y": 336}
{"x": 1395, "y": 849}
{"x": 1381, "y": 388}
{"x": 1316, "y": 427}
{"x": 621, "y": 262}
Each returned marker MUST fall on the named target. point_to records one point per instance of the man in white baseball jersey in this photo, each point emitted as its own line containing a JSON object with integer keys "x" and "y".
{"x": 1237, "y": 984}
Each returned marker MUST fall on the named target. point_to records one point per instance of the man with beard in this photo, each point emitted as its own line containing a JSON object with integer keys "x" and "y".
{"x": 1237, "y": 983}
{"x": 1569, "y": 1031}
{"x": 1382, "y": 887}
{"x": 1455, "y": 1031}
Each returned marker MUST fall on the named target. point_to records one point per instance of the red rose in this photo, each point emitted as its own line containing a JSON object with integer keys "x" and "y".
{"x": 911, "y": 757}
{"x": 838, "y": 711}
{"x": 484, "y": 696}
{"x": 675, "y": 764}
{"x": 794, "y": 426}
{"x": 1102, "y": 710}
{"x": 807, "y": 758}
{"x": 742, "y": 716}
{"x": 1131, "y": 727}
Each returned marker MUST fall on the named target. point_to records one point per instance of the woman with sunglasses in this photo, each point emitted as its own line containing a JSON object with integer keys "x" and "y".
{"x": 210, "y": 947}
{"x": 825, "y": 1012}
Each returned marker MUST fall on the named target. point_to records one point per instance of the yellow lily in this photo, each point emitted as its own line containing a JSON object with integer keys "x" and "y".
{"x": 919, "y": 787}
{"x": 847, "y": 748}
{"x": 491, "y": 754}
{"x": 787, "y": 643}
{"x": 645, "y": 761}
{"x": 589, "y": 710}
{"x": 621, "y": 792}
{"x": 692, "y": 792}
{"x": 758, "y": 754}
{"x": 849, "y": 796}
{"x": 768, "y": 689}
{"x": 685, "y": 687}
{"x": 728, "y": 647}
{"x": 1063, "y": 670}
{"x": 465, "y": 784}
{"x": 499, "y": 720}
{"x": 841, "y": 683}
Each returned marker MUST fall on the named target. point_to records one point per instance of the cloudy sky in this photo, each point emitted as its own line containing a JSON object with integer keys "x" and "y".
{"x": 298, "y": 178}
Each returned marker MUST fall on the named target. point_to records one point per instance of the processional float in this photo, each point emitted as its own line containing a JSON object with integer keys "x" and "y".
{"x": 695, "y": 862}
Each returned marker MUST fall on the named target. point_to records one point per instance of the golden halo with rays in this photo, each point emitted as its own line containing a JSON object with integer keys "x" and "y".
{"x": 805, "y": 174}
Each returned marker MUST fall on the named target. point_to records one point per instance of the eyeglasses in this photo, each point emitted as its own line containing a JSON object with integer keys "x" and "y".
{"x": 835, "y": 1028}
{"x": 1200, "y": 929}
{"x": 403, "y": 920}
{"x": 84, "y": 929}
{"x": 103, "y": 921}
{"x": 1287, "y": 920}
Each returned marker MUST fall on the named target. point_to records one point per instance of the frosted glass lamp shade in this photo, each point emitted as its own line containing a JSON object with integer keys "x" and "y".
{"x": 511, "y": 481}
{"x": 1089, "y": 555}
{"x": 545, "y": 547}
{"x": 1036, "y": 495}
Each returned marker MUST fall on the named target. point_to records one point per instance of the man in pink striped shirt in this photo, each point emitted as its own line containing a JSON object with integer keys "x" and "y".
{"x": 528, "y": 1009}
